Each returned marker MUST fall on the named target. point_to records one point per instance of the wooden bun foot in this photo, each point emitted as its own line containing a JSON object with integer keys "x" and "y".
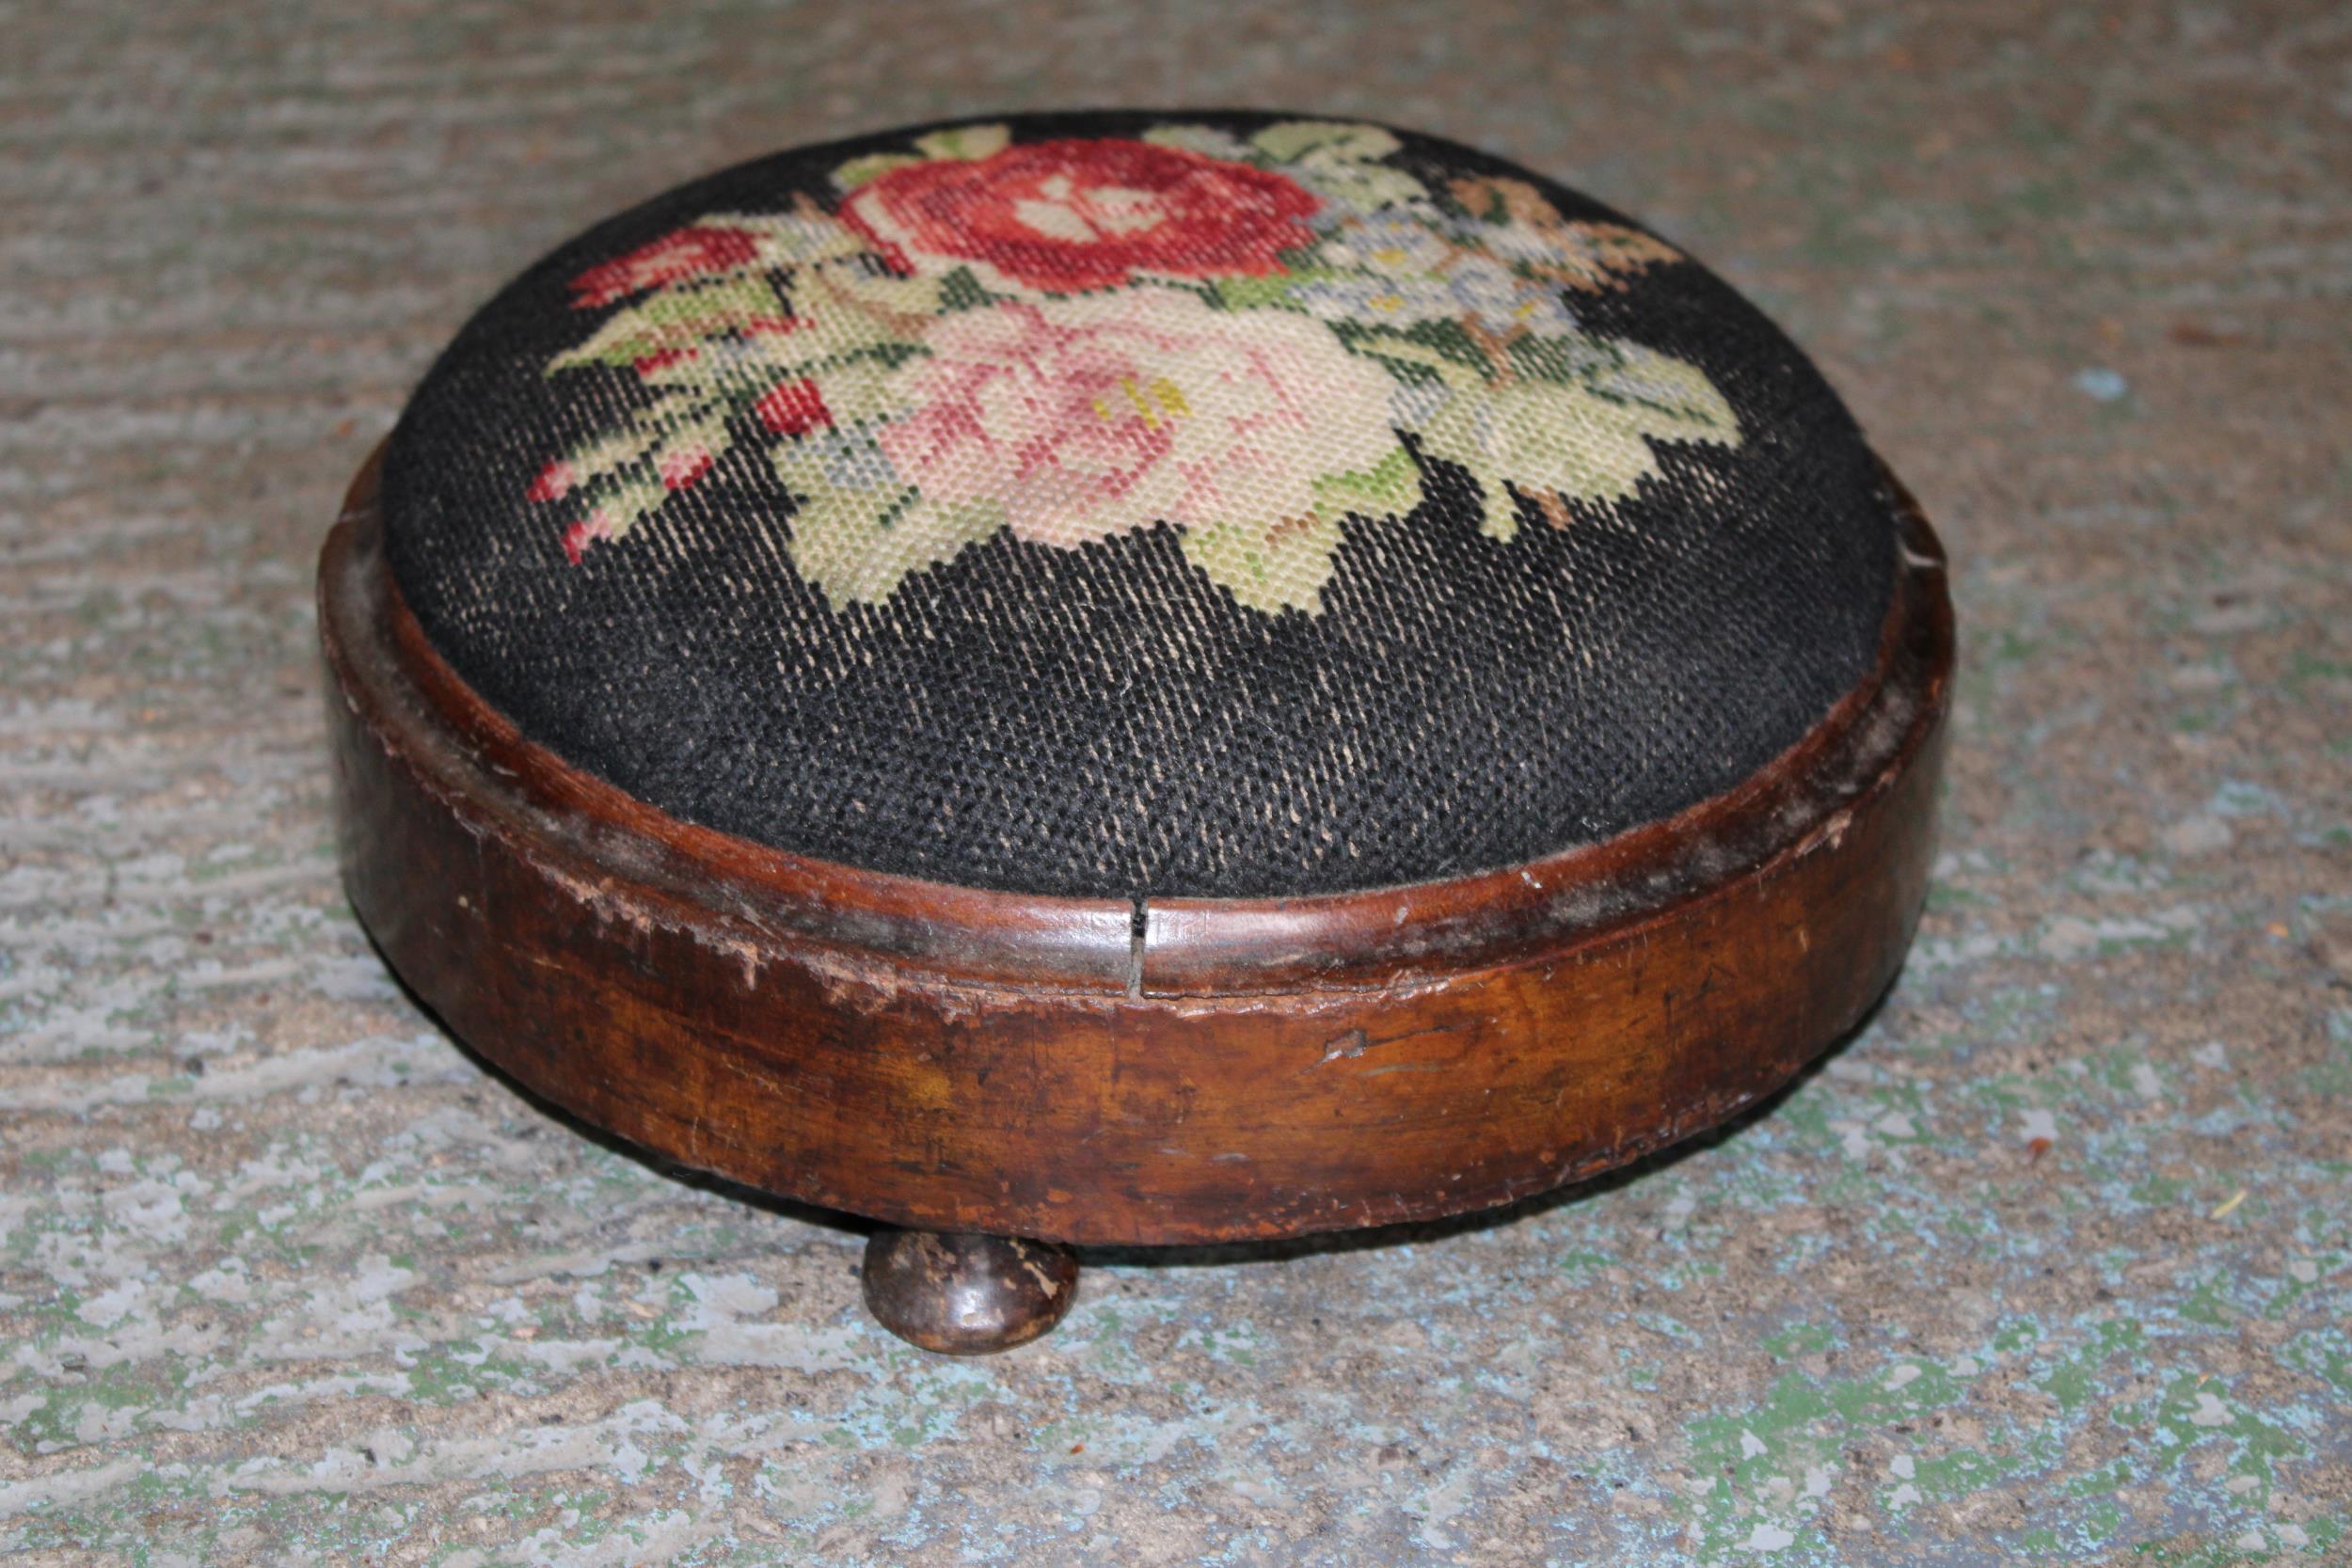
{"x": 963, "y": 1294}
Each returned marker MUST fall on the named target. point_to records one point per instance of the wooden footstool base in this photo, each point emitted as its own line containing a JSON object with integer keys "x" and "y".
{"x": 953, "y": 1061}
{"x": 1133, "y": 679}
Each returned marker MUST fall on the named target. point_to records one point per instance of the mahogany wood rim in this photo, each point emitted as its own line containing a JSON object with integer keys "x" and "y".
{"x": 957, "y": 1059}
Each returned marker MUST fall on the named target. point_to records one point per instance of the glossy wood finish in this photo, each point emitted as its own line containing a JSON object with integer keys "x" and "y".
{"x": 957, "y": 1060}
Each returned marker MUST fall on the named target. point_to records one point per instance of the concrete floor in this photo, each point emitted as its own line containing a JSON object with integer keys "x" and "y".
{"x": 2053, "y": 1262}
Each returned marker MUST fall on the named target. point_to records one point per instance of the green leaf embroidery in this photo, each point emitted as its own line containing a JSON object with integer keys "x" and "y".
{"x": 1452, "y": 339}
{"x": 880, "y": 306}
{"x": 1598, "y": 453}
{"x": 1362, "y": 185}
{"x": 1687, "y": 404}
{"x": 1339, "y": 162}
{"x": 1497, "y": 507}
{"x": 1255, "y": 291}
{"x": 602, "y": 459}
{"x": 752, "y": 366}
{"x": 1564, "y": 440}
{"x": 961, "y": 291}
{"x": 1208, "y": 142}
{"x": 859, "y": 390}
{"x": 678, "y": 317}
{"x": 806, "y": 236}
{"x": 1459, "y": 434}
{"x": 1293, "y": 139}
{"x": 1565, "y": 361}
{"x": 623, "y": 506}
{"x": 965, "y": 141}
{"x": 857, "y": 545}
{"x": 1389, "y": 488}
{"x": 1442, "y": 347}
{"x": 859, "y": 172}
{"x": 1270, "y": 569}
{"x": 1419, "y": 368}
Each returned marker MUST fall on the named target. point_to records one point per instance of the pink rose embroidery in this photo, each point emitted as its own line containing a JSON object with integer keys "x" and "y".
{"x": 1063, "y": 216}
{"x": 1085, "y": 417}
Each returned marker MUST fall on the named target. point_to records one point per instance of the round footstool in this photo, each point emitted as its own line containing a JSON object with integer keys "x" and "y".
{"x": 1133, "y": 679}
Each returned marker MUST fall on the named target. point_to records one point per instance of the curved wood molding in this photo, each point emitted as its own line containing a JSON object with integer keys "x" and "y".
{"x": 1080, "y": 1071}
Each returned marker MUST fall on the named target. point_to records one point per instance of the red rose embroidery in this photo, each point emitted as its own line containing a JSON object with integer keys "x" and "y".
{"x": 683, "y": 254}
{"x": 588, "y": 531}
{"x": 1060, "y": 216}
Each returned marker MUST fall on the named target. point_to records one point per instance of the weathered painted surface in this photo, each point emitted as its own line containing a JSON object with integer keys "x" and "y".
{"x": 284, "y": 1277}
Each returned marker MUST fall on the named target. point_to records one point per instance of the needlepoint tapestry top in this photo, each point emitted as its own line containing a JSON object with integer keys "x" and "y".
{"x": 1203, "y": 504}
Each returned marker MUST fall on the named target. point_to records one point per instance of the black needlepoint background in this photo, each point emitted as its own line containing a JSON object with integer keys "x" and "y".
{"x": 1107, "y": 719}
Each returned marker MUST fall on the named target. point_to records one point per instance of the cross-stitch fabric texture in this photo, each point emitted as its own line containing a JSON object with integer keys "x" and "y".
{"x": 1125, "y": 504}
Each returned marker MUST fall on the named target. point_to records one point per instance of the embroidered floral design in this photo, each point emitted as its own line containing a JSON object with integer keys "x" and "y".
{"x": 1248, "y": 341}
{"x": 1062, "y": 217}
{"x": 690, "y": 252}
